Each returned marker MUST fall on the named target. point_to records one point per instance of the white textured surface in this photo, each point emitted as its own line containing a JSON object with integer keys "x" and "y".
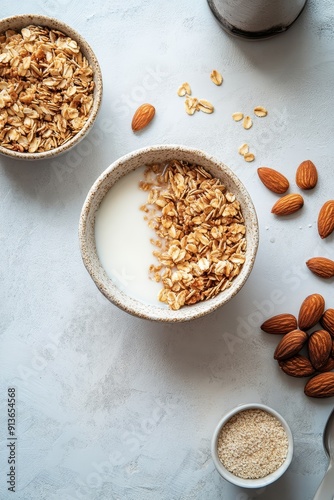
{"x": 111, "y": 407}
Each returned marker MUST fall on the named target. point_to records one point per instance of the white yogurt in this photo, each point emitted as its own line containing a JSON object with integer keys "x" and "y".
{"x": 123, "y": 239}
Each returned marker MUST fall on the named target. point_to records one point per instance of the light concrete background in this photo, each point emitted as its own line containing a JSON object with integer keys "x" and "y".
{"x": 111, "y": 407}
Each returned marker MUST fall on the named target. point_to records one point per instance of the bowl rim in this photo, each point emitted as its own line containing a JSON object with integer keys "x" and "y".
{"x": 251, "y": 483}
{"x": 42, "y": 20}
{"x": 157, "y": 313}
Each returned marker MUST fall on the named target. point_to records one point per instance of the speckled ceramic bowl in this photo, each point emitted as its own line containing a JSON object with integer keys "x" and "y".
{"x": 251, "y": 483}
{"x": 21, "y": 21}
{"x": 122, "y": 167}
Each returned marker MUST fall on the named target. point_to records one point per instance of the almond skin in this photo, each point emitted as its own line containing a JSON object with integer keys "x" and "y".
{"x": 306, "y": 175}
{"x": 297, "y": 366}
{"x": 311, "y": 311}
{"x": 328, "y": 366}
{"x": 280, "y": 324}
{"x": 288, "y": 204}
{"x": 320, "y": 386}
{"x": 273, "y": 180}
{"x": 290, "y": 345}
{"x": 319, "y": 348}
{"x": 327, "y": 321}
{"x": 326, "y": 219}
{"x": 142, "y": 117}
{"x": 321, "y": 267}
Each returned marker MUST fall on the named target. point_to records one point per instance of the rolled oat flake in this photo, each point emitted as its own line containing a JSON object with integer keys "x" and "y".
{"x": 252, "y": 444}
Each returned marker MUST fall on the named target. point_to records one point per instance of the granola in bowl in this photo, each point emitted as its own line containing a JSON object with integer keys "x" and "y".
{"x": 50, "y": 87}
{"x": 201, "y": 241}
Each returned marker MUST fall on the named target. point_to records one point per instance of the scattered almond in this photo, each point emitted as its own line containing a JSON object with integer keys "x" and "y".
{"x": 290, "y": 344}
{"x": 311, "y": 311}
{"x": 328, "y": 366}
{"x": 327, "y": 321}
{"x": 280, "y": 324}
{"x": 237, "y": 116}
{"x": 142, "y": 117}
{"x": 306, "y": 175}
{"x": 321, "y": 267}
{"x": 319, "y": 348}
{"x": 297, "y": 366}
{"x": 273, "y": 180}
{"x": 247, "y": 122}
{"x": 288, "y": 204}
{"x": 260, "y": 111}
{"x": 205, "y": 106}
{"x": 216, "y": 77}
{"x": 320, "y": 386}
{"x": 326, "y": 219}
{"x": 184, "y": 89}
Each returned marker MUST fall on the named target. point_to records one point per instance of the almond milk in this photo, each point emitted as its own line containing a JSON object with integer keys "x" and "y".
{"x": 123, "y": 239}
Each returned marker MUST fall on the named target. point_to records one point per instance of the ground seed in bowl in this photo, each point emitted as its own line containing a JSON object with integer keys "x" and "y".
{"x": 252, "y": 444}
{"x": 201, "y": 243}
{"x": 46, "y": 89}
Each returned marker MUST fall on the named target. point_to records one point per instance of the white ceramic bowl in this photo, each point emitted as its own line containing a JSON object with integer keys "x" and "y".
{"x": 21, "y": 21}
{"x": 250, "y": 483}
{"x": 125, "y": 165}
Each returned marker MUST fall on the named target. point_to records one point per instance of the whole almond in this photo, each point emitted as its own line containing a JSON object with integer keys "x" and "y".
{"x": 319, "y": 348}
{"x": 280, "y": 324}
{"x": 321, "y": 267}
{"x": 297, "y": 366}
{"x": 142, "y": 117}
{"x": 306, "y": 175}
{"x": 326, "y": 219}
{"x": 288, "y": 204}
{"x": 320, "y": 386}
{"x": 327, "y": 321}
{"x": 273, "y": 180}
{"x": 328, "y": 366}
{"x": 311, "y": 311}
{"x": 290, "y": 344}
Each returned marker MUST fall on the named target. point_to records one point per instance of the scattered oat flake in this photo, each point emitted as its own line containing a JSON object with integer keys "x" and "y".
{"x": 184, "y": 89}
{"x": 247, "y": 122}
{"x": 205, "y": 106}
{"x": 244, "y": 148}
{"x": 191, "y": 105}
{"x": 249, "y": 157}
{"x": 260, "y": 111}
{"x": 216, "y": 77}
{"x": 237, "y": 116}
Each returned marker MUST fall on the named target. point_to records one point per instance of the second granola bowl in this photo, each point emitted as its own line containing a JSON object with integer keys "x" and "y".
{"x": 51, "y": 87}
{"x": 204, "y": 233}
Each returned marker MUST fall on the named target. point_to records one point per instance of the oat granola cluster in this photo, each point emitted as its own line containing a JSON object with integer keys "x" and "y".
{"x": 201, "y": 240}
{"x": 46, "y": 89}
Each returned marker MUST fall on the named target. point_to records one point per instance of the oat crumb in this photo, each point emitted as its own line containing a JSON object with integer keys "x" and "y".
{"x": 252, "y": 444}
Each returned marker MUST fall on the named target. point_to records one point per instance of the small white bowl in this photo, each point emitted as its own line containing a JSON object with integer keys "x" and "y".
{"x": 123, "y": 166}
{"x": 21, "y": 21}
{"x": 250, "y": 483}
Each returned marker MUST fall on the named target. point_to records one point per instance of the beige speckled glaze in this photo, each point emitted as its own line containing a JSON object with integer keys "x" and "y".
{"x": 125, "y": 165}
{"x": 20, "y": 21}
